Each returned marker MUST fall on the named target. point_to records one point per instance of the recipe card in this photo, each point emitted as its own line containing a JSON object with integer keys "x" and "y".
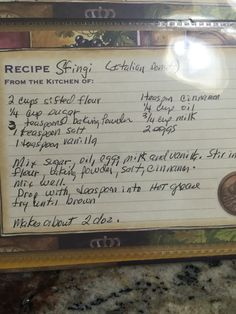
{"x": 118, "y": 139}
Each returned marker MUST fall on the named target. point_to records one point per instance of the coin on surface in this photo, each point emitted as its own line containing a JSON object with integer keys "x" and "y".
{"x": 227, "y": 193}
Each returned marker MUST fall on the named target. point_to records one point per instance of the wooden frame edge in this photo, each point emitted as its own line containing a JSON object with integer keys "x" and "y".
{"x": 69, "y": 258}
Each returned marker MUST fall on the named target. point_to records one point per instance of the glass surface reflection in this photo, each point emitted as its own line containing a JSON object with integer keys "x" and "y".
{"x": 199, "y": 64}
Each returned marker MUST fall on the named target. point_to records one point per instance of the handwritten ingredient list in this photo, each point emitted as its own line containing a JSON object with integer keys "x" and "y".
{"x": 111, "y": 140}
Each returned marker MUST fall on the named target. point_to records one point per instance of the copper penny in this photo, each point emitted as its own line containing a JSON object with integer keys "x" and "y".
{"x": 227, "y": 193}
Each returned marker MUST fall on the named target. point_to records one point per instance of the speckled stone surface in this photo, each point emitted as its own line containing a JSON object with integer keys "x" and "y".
{"x": 193, "y": 287}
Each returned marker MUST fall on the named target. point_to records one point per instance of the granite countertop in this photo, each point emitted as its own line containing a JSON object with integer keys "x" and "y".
{"x": 192, "y": 287}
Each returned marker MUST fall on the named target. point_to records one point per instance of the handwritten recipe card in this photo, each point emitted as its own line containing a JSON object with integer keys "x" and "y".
{"x": 110, "y": 139}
